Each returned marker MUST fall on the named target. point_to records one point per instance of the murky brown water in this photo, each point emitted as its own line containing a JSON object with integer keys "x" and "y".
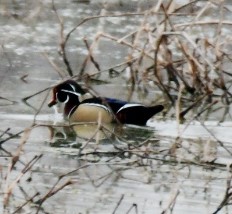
{"x": 122, "y": 169}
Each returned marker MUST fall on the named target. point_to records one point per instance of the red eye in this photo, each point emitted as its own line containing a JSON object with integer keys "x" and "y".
{"x": 62, "y": 96}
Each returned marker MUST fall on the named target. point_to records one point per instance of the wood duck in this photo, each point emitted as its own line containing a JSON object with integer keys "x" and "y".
{"x": 79, "y": 109}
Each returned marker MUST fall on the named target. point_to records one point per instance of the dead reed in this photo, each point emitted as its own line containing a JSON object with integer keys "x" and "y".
{"x": 184, "y": 52}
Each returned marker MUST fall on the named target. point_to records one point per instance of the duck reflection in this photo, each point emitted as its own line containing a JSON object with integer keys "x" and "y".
{"x": 94, "y": 131}
{"x": 75, "y": 135}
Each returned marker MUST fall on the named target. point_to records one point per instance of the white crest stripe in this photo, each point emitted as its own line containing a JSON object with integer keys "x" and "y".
{"x": 72, "y": 87}
{"x": 71, "y": 92}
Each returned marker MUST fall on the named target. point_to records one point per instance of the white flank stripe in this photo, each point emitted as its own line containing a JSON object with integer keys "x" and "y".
{"x": 98, "y": 105}
{"x": 129, "y": 105}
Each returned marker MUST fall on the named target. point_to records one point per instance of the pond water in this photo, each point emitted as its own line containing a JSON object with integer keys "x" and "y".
{"x": 48, "y": 166}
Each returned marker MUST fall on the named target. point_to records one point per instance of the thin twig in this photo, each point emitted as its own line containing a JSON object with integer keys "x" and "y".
{"x": 118, "y": 204}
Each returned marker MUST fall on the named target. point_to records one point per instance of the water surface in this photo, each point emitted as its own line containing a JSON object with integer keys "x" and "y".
{"x": 162, "y": 168}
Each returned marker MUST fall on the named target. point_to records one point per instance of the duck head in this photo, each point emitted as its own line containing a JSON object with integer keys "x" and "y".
{"x": 68, "y": 93}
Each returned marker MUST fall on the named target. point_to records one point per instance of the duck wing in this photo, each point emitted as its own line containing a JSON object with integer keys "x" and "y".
{"x": 137, "y": 114}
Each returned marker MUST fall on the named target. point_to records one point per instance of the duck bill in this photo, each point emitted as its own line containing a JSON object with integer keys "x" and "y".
{"x": 53, "y": 101}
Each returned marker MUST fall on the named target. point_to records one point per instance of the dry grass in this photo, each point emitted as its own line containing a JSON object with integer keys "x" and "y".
{"x": 184, "y": 52}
